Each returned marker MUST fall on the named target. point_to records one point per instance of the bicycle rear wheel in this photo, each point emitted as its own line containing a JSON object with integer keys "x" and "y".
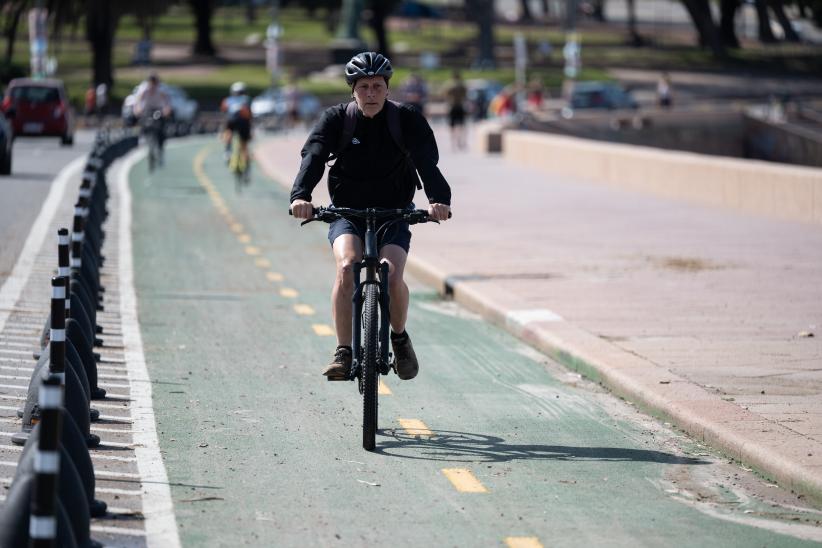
{"x": 370, "y": 373}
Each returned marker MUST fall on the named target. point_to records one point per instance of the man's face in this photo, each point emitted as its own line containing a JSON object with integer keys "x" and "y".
{"x": 370, "y": 94}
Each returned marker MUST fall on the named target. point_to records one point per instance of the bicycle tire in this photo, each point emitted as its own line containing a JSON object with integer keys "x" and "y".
{"x": 370, "y": 372}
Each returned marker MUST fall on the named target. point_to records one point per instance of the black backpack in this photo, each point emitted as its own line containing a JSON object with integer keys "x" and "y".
{"x": 392, "y": 115}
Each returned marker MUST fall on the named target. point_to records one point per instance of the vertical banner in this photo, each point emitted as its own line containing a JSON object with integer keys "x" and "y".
{"x": 38, "y": 41}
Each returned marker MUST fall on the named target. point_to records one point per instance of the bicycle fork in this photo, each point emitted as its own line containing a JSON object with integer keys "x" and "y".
{"x": 356, "y": 320}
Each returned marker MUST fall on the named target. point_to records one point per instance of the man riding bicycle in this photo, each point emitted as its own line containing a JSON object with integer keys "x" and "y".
{"x": 371, "y": 170}
{"x": 237, "y": 108}
{"x": 150, "y": 100}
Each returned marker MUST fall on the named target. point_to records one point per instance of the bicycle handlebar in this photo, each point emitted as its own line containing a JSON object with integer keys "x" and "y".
{"x": 331, "y": 214}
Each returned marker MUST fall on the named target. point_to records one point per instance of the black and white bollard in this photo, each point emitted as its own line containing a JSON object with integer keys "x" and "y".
{"x": 43, "y": 521}
{"x": 76, "y": 403}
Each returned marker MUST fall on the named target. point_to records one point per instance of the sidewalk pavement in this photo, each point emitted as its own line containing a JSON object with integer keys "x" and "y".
{"x": 706, "y": 317}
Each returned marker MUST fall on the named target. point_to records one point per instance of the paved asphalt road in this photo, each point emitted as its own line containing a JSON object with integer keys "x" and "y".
{"x": 492, "y": 445}
{"x": 36, "y": 162}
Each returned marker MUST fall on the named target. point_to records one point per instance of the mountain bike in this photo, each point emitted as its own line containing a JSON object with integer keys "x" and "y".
{"x": 153, "y": 126}
{"x": 238, "y": 165}
{"x": 371, "y": 325}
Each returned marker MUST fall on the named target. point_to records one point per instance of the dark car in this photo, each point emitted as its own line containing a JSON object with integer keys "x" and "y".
{"x": 6, "y": 139}
{"x": 599, "y": 95}
{"x": 40, "y": 108}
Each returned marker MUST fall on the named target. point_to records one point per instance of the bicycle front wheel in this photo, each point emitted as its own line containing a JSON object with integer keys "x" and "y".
{"x": 370, "y": 372}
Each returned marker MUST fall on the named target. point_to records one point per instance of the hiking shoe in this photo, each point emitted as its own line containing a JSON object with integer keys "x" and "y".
{"x": 340, "y": 365}
{"x": 405, "y": 360}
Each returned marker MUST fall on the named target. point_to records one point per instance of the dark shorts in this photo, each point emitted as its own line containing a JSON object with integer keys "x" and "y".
{"x": 398, "y": 234}
{"x": 240, "y": 126}
{"x": 456, "y": 116}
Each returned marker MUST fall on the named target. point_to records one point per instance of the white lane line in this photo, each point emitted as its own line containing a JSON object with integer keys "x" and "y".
{"x": 126, "y": 492}
{"x": 119, "y": 531}
{"x": 12, "y": 352}
{"x": 158, "y": 508}
{"x": 13, "y": 286}
{"x": 108, "y": 384}
{"x": 16, "y": 386}
{"x": 5, "y": 342}
{"x": 10, "y": 397}
{"x": 111, "y": 430}
{"x": 94, "y": 456}
{"x": 103, "y": 474}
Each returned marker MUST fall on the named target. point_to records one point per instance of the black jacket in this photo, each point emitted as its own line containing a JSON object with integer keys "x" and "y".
{"x": 370, "y": 171}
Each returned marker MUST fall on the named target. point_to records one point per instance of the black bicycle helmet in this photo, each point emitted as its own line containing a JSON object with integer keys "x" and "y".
{"x": 365, "y": 64}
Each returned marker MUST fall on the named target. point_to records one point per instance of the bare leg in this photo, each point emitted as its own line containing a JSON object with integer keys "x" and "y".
{"x": 397, "y": 288}
{"x": 347, "y": 251}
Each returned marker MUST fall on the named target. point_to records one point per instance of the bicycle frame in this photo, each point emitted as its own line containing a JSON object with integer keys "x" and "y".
{"x": 376, "y": 272}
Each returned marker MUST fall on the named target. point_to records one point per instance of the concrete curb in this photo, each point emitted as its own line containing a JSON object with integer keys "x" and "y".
{"x": 703, "y": 415}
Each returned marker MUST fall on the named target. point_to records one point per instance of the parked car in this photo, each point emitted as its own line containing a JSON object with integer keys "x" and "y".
{"x": 184, "y": 110}
{"x": 598, "y": 95}
{"x": 6, "y": 140}
{"x": 273, "y": 106}
{"x": 40, "y": 108}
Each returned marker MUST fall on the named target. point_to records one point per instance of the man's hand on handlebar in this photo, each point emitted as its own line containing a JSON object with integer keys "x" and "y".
{"x": 439, "y": 212}
{"x": 301, "y": 209}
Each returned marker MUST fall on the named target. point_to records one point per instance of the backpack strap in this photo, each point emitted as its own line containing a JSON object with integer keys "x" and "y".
{"x": 349, "y": 123}
{"x": 392, "y": 117}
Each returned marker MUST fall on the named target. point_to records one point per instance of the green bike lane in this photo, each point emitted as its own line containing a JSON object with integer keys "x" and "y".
{"x": 491, "y": 445}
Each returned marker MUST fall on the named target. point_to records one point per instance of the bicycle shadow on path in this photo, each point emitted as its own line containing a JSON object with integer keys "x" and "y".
{"x": 450, "y": 446}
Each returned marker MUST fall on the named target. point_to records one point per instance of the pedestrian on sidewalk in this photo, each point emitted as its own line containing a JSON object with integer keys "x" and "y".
{"x": 664, "y": 91}
{"x": 371, "y": 170}
{"x": 455, "y": 94}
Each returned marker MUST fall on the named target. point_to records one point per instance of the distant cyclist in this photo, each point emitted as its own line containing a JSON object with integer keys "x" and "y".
{"x": 237, "y": 108}
{"x": 150, "y": 100}
{"x": 371, "y": 170}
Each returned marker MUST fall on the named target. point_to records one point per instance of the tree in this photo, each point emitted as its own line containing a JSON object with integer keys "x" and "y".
{"x": 101, "y": 23}
{"x": 380, "y": 10}
{"x": 700, "y": 12}
{"x": 525, "y": 14}
{"x": 203, "y": 11}
{"x": 13, "y": 12}
{"x": 727, "y": 14}
{"x": 482, "y": 12}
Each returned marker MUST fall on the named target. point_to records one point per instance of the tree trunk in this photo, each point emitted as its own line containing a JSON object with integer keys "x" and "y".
{"x": 546, "y": 10}
{"x": 765, "y": 34}
{"x": 525, "y": 11}
{"x": 709, "y": 36}
{"x": 250, "y": 12}
{"x": 11, "y": 31}
{"x": 482, "y": 12}
{"x": 727, "y": 31}
{"x": 203, "y": 10}
{"x": 100, "y": 25}
{"x": 633, "y": 34}
{"x": 379, "y": 11}
{"x": 784, "y": 22}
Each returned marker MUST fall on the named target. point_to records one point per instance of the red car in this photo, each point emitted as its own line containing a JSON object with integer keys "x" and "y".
{"x": 39, "y": 108}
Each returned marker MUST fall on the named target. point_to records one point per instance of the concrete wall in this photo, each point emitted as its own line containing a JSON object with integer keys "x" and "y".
{"x": 787, "y": 192}
{"x": 787, "y": 143}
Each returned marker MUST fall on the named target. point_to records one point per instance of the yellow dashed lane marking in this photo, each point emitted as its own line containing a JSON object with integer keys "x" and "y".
{"x": 323, "y": 330}
{"x": 523, "y": 542}
{"x": 463, "y": 480}
{"x": 274, "y": 276}
{"x": 251, "y": 250}
{"x": 289, "y": 293}
{"x": 383, "y": 389}
{"x": 415, "y": 427}
{"x": 237, "y": 228}
{"x": 243, "y": 238}
{"x": 262, "y": 263}
{"x": 303, "y": 309}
